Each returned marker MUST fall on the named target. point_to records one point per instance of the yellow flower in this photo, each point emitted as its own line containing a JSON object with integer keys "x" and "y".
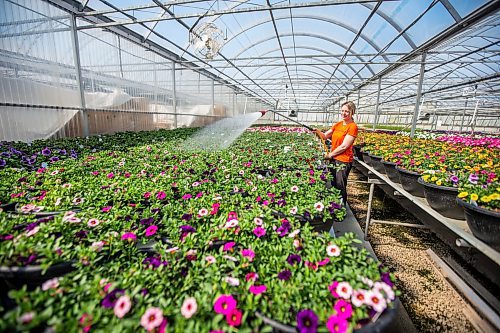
{"x": 463, "y": 194}
{"x": 425, "y": 178}
{"x": 495, "y": 196}
{"x": 434, "y": 178}
{"x": 474, "y": 197}
{"x": 485, "y": 198}
{"x": 439, "y": 182}
{"x": 431, "y": 165}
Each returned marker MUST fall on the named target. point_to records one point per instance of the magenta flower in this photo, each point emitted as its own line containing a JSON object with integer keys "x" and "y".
{"x": 233, "y": 317}
{"x": 256, "y": 290}
{"x": 147, "y": 195}
{"x": 151, "y": 230}
{"x": 106, "y": 209}
{"x": 333, "y": 288}
{"x": 110, "y": 175}
{"x": 187, "y": 196}
{"x": 336, "y": 324}
{"x": 161, "y": 195}
{"x": 224, "y": 304}
{"x": 259, "y": 232}
{"x": 343, "y": 309}
{"x": 249, "y": 253}
{"x": 229, "y": 246}
{"x": 129, "y": 236}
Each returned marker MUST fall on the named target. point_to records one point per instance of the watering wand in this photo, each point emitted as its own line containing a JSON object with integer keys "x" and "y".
{"x": 295, "y": 121}
{"x": 292, "y": 120}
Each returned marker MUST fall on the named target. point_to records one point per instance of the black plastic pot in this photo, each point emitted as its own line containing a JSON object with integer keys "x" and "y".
{"x": 357, "y": 151}
{"x": 383, "y": 324}
{"x": 390, "y": 171}
{"x": 366, "y": 156}
{"x": 443, "y": 200}
{"x": 32, "y": 276}
{"x": 376, "y": 163}
{"x": 8, "y": 207}
{"x": 483, "y": 223}
{"x": 409, "y": 181}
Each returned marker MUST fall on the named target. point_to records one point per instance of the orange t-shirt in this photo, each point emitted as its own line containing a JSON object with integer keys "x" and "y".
{"x": 339, "y": 132}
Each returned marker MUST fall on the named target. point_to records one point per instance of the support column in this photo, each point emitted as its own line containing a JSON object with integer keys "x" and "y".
{"x": 82, "y": 114}
{"x": 174, "y": 95}
{"x": 463, "y": 115}
{"x": 419, "y": 96}
{"x": 375, "y": 121}
{"x": 213, "y": 97}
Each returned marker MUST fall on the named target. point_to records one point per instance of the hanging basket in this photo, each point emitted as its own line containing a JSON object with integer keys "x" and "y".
{"x": 483, "y": 223}
{"x": 443, "y": 200}
{"x": 409, "y": 181}
{"x": 391, "y": 172}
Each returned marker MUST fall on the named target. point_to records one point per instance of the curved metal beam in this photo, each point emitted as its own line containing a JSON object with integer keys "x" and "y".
{"x": 319, "y": 18}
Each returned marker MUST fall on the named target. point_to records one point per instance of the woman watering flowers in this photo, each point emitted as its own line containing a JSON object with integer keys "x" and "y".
{"x": 342, "y": 135}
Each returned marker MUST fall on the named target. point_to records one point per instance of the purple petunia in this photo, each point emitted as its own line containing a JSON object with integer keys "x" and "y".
{"x": 293, "y": 259}
{"x": 307, "y": 321}
{"x": 46, "y": 151}
{"x": 110, "y": 299}
{"x": 284, "y": 275}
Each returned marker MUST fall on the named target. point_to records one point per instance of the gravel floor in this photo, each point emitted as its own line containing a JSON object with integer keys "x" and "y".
{"x": 432, "y": 304}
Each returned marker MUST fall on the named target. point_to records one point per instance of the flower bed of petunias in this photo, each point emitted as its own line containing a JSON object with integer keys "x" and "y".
{"x": 470, "y": 164}
{"x": 165, "y": 239}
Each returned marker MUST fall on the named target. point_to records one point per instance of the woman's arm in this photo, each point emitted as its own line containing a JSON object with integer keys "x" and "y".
{"x": 348, "y": 141}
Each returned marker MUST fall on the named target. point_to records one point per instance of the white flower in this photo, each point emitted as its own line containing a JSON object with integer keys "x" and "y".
{"x": 344, "y": 290}
{"x": 210, "y": 259}
{"x": 32, "y": 231}
{"x": 26, "y": 317}
{"x": 367, "y": 281}
{"x": 231, "y": 224}
{"x": 93, "y": 222}
{"x": 319, "y": 206}
{"x": 294, "y": 210}
{"x": 232, "y": 281}
{"x": 296, "y": 243}
{"x": 384, "y": 288}
{"x": 55, "y": 172}
{"x": 333, "y": 250}
{"x": 294, "y": 233}
{"x": 230, "y": 258}
{"x": 294, "y": 188}
{"x": 358, "y": 297}
{"x": 258, "y": 221}
{"x": 376, "y": 300}
{"x": 189, "y": 307}
{"x": 50, "y": 284}
{"x": 97, "y": 246}
{"x": 203, "y": 212}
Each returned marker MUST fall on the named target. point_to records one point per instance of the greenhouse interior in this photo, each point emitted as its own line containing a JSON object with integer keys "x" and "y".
{"x": 249, "y": 166}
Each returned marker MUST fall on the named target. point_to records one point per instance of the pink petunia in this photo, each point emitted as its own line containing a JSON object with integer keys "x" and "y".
{"x": 259, "y": 232}
{"x": 225, "y": 304}
{"x": 336, "y": 324}
{"x": 129, "y": 236}
{"x": 151, "y": 230}
{"x": 343, "y": 309}
{"x": 189, "y": 307}
{"x": 248, "y": 253}
{"x": 229, "y": 246}
{"x": 161, "y": 195}
{"x": 106, "y": 209}
{"x": 256, "y": 290}
{"x": 122, "y": 306}
{"x": 233, "y": 317}
{"x": 152, "y": 318}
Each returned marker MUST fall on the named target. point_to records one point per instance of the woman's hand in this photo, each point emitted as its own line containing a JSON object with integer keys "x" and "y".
{"x": 320, "y": 134}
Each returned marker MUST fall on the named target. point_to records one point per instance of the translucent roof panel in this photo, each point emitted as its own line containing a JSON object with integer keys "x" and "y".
{"x": 314, "y": 52}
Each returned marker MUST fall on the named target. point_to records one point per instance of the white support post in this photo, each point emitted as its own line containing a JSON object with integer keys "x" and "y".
{"x": 174, "y": 94}
{"x": 78, "y": 69}
{"x": 419, "y": 95}
{"x": 375, "y": 121}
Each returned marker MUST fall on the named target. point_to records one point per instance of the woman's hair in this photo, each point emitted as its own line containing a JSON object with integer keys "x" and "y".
{"x": 351, "y": 106}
